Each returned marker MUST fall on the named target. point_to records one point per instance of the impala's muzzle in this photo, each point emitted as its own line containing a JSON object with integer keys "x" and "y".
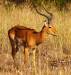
{"x": 52, "y": 34}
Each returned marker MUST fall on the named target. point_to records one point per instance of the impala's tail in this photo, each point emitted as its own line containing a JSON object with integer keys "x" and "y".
{"x": 26, "y": 55}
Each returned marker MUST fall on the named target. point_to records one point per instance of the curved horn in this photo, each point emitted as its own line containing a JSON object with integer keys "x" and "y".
{"x": 40, "y": 13}
{"x": 51, "y": 15}
{"x": 48, "y": 12}
{"x": 49, "y": 18}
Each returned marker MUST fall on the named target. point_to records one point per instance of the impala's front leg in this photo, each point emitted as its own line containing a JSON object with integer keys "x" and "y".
{"x": 33, "y": 58}
{"x": 26, "y": 55}
{"x": 34, "y": 61}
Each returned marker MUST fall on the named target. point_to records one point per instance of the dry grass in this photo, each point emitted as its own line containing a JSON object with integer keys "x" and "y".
{"x": 53, "y": 56}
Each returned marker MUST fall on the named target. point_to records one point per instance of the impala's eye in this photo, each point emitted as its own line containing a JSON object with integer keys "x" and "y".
{"x": 49, "y": 27}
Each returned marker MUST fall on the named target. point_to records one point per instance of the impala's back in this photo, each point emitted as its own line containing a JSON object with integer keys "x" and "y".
{"x": 25, "y": 36}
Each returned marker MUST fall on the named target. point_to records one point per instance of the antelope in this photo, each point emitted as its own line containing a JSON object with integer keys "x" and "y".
{"x": 30, "y": 38}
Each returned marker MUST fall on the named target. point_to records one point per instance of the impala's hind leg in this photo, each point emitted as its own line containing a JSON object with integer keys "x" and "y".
{"x": 14, "y": 48}
{"x": 12, "y": 39}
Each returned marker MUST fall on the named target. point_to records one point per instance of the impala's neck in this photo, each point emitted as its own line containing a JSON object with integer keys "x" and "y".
{"x": 44, "y": 32}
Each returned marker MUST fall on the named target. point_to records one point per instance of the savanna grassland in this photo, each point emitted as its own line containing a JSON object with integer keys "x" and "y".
{"x": 53, "y": 56}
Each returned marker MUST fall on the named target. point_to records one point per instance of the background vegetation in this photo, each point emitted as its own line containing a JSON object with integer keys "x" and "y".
{"x": 54, "y": 55}
{"x": 59, "y": 4}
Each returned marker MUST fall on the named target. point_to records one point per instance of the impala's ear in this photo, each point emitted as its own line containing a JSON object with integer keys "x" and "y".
{"x": 46, "y": 23}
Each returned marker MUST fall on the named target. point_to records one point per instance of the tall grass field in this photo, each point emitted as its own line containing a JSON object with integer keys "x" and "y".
{"x": 53, "y": 56}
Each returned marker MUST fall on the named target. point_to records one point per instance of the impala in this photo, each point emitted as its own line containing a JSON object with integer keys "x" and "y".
{"x": 30, "y": 38}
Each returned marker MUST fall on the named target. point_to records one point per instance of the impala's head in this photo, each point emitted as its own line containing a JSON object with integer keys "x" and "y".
{"x": 50, "y": 28}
